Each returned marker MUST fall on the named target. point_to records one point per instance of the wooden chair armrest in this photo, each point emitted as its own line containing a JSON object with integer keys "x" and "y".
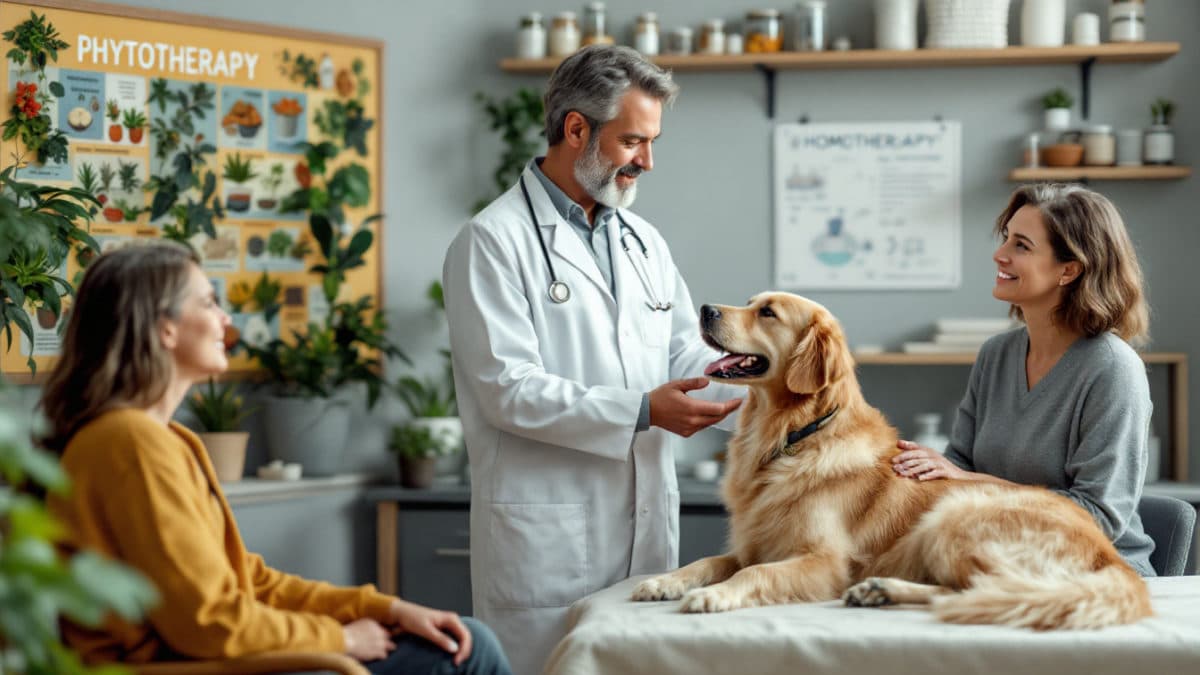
{"x": 270, "y": 662}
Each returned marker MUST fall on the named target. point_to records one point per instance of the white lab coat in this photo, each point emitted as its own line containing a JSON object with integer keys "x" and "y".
{"x": 566, "y": 499}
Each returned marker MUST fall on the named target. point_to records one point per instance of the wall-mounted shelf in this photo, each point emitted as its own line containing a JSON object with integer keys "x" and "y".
{"x": 879, "y": 58}
{"x": 769, "y": 64}
{"x": 1078, "y": 173}
{"x": 1177, "y": 391}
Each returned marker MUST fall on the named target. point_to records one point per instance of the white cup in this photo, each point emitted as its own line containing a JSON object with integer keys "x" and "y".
{"x": 706, "y": 470}
{"x": 1085, "y": 29}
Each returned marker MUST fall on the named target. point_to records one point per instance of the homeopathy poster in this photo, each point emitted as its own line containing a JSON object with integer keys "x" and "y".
{"x": 868, "y": 205}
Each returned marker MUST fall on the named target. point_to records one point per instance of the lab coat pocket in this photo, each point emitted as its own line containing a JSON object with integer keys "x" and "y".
{"x": 655, "y": 326}
{"x": 538, "y": 555}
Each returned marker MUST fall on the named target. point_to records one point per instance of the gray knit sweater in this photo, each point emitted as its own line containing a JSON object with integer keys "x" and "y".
{"x": 1081, "y": 431}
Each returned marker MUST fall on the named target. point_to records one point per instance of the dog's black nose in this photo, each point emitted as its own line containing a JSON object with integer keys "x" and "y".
{"x": 709, "y": 315}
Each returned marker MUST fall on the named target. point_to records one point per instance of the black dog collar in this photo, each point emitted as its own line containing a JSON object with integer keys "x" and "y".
{"x": 798, "y": 435}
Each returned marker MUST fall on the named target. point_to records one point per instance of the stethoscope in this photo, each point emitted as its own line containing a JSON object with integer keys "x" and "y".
{"x": 558, "y": 290}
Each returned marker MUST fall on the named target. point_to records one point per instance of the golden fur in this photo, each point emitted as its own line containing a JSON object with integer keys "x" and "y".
{"x": 830, "y": 518}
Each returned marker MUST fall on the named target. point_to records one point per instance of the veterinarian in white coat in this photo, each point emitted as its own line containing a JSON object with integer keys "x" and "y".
{"x": 558, "y": 363}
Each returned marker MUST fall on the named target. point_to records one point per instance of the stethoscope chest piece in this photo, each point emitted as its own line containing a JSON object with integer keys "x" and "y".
{"x": 559, "y": 292}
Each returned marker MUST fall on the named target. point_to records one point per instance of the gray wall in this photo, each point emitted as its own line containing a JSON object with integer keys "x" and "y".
{"x": 716, "y": 142}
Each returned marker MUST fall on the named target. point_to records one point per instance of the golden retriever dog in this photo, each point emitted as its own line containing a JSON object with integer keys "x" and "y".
{"x": 816, "y": 512}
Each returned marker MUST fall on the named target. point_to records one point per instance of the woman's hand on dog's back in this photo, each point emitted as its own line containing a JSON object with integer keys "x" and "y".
{"x": 672, "y": 409}
{"x": 922, "y": 463}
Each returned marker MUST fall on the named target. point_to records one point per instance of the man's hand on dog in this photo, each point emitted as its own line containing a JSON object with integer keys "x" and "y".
{"x": 672, "y": 409}
{"x": 922, "y": 463}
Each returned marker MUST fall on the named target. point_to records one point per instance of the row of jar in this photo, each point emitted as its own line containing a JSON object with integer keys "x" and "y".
{"x": 762, "y": 32}
{"x": 1098, "y": 145}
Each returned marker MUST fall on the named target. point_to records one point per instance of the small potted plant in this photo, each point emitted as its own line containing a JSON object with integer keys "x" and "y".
{"x": 113, "y": 111}
{"x": 239, "y": 171}
{"x": 111, "y": 213}
{"x": 135, "y": 122}
{"x": 1057, "y": 105}
{"x": 417, "y": 451}
{"x": 432, "y": 406}
{"x": 1158, "y": 146}
{"x": 220, "y": 411}
{"x": 271, "y": 182}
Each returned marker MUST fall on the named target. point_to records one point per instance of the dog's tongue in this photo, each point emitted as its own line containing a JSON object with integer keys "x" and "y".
{"x": 723, "y": 363}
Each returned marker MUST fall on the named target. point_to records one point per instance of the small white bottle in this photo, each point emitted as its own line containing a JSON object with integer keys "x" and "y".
{"x": 325, "y": 72}
{"x": 645, "y": 34}
{"x": 928, "y": 432}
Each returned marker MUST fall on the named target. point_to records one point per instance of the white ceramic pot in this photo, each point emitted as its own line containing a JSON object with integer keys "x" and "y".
{"x": 1058, "y": 119}
{"x": 896, "y": 24}
{"x": 1158, "y": 145}
{"x": 448, "y": 432}
{"x": 1043, "y": 23}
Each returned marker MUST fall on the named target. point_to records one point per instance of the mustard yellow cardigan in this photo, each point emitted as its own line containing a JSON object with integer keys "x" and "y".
{"x": 145, "y": 494}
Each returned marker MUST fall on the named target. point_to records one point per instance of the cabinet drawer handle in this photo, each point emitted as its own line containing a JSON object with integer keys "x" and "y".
{"x": 452, "y": 552}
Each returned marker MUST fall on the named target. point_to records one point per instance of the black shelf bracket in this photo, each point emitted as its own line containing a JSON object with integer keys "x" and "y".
{"x": 1085, "y": 83}
{"x": 769, "y": 78}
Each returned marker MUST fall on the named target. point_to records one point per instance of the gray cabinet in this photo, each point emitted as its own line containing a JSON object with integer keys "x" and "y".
{"x": 435, "y": 558}
{"x": 702, "y": 533}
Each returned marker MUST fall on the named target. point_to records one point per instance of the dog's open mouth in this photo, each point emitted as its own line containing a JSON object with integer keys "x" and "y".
{"x": 736, "y": 366}
{"x": 733, "y": 366}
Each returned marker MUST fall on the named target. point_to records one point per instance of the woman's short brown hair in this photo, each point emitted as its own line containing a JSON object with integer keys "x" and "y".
{"x": 1085, "y": 227}
{"x": 111, "y": 353}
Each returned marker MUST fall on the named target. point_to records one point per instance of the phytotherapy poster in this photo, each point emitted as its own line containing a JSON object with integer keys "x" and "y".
{"x": 142, "y": 91}
{"x": 868, "y": 205}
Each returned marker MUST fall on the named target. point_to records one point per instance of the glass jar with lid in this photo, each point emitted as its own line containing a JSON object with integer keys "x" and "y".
{"x": 679, "y": 41}
{"x": 645, "y": 34}
{"x": 564, "y": 35}
{"x": 594, "y": 30}
{"x": 712, "y": 37}
{"x": 1127, "y": 21}
{"x": 1099, "y": 145}
{"x": 763, "y": 32}
{"x": 531, "y": 37}
{"x": 809, "y": 26}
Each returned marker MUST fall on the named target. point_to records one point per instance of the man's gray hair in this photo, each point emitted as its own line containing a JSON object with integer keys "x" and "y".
{"x": 592, "y": 81}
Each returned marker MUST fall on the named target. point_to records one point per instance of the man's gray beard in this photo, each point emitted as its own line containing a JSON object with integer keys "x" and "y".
{"x": 598, "y": 176}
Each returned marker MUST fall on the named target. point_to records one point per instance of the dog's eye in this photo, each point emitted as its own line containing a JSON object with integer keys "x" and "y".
{"x": 766, "y": 312}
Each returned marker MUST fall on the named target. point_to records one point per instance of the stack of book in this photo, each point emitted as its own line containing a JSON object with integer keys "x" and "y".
{"x": 957, "y": 336}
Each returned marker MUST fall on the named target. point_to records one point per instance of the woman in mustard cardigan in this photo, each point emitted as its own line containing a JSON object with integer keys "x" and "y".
{"x": 145, "y": 327}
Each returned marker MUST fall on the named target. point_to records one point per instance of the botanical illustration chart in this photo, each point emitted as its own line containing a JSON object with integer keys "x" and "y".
{"x": 143, "y": 102}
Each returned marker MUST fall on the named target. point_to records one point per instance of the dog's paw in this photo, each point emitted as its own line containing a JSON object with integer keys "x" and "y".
{"x": 705, "y": 600}
{"x": 871, "y": 592}
{"x": 664, "y": 587}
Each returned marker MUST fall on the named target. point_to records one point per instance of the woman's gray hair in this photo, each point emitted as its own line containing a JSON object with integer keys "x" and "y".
{"x": 592, "y": 81}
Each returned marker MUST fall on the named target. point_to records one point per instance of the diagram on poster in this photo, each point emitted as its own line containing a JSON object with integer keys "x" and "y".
{"x": 868, "y": 205}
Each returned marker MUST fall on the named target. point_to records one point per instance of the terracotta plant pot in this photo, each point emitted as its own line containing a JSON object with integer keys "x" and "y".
{"x": 238, "y": 201}
{"x": 227, "y": 450}
{"x": 417, "y": 472}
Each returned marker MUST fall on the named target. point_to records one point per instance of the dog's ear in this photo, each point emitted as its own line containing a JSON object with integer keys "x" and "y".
{"x": 818, "y": 359}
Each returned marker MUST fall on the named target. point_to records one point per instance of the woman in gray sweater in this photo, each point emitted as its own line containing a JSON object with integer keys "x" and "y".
{"x": 1062, "y": 402}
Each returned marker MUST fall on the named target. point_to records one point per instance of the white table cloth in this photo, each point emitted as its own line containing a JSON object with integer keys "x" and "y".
{"x": 609, "y": 634}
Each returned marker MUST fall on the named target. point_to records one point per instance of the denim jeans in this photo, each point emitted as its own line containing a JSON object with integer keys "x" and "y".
{"x": 418, "y": 656}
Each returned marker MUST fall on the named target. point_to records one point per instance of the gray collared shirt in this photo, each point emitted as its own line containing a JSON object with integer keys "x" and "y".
{"x": 596, "y": 238}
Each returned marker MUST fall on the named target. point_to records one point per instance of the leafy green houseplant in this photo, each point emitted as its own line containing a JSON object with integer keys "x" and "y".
{"x": 417, "y": 450}
{"x": 1057, "y": 105}
{"x": 520, "y": 119}
{"x": 239, "y": 171}
{"x": 219, "y": 410}
{"x": 38, "y": 584}
{"x": 312, "y": 371}
{"x": 1161, "y": 111}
